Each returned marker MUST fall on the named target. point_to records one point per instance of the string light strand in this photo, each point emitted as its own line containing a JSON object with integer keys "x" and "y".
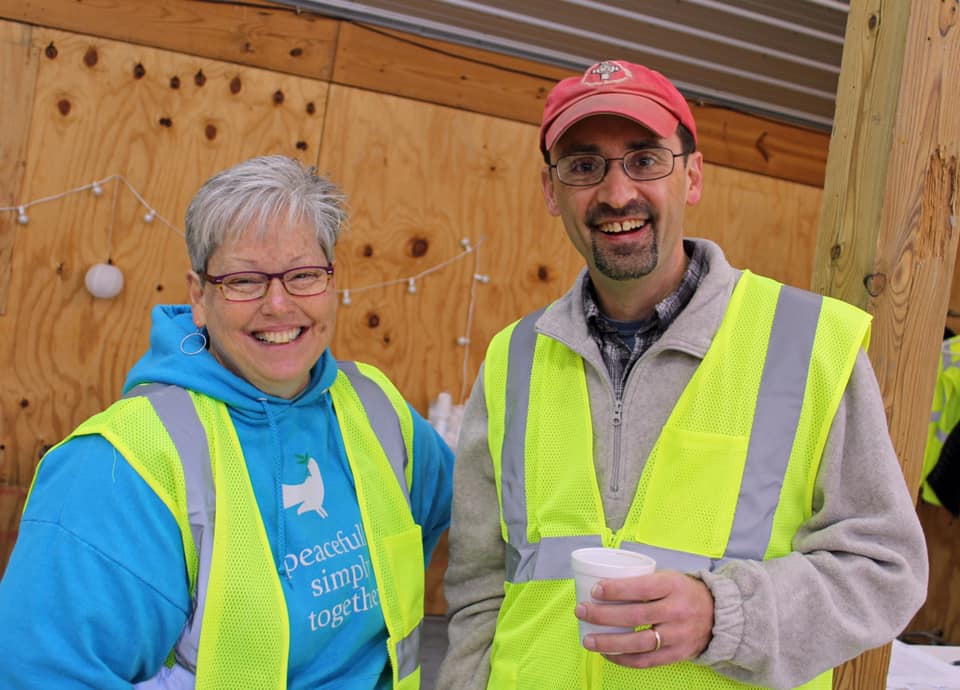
{"x": 94, "y": 186}
{"x": 409, "y": 280}
{"x": 477, "y": 278}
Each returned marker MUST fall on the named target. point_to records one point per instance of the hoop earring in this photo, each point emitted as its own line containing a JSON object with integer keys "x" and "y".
{"x": 196, "y": 334}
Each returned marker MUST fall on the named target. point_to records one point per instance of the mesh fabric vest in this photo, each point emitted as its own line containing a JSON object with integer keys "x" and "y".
{"x": 944, "y": 414}
{"x": 693, "y": 507}
{"x": 244, "y": 641}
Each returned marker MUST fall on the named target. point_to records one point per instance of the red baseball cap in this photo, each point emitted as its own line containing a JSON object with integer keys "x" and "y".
{"x": 615, "y": 87}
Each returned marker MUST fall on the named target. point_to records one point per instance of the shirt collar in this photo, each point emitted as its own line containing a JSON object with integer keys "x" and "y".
{"x": 666, "y": 310}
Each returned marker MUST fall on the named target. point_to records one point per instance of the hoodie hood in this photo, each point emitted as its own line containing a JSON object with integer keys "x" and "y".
{"x": 173, "y": 337}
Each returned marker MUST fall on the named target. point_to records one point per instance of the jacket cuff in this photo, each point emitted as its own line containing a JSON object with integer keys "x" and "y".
{"x": 727, "y": 619}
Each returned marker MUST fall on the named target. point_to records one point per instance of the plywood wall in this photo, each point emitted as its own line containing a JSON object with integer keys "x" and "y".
{"x": 163, "y": 121}
{"x": 421, "y": 177}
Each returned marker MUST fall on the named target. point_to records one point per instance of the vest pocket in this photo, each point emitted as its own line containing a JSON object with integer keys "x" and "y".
{"x": 404, "y": 551}
{"x": 688, "y": 493}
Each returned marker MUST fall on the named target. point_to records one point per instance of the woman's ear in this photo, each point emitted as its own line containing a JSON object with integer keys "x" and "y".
{"x": 195, "y": 295}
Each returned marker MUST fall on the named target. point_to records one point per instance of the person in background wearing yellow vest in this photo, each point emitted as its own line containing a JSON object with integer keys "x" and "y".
{"x": 253, "y": 514}
{"x": 726, "y": 425}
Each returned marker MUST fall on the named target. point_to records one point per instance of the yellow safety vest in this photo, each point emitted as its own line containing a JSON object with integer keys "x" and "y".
{"x": 704, "y": 495}
{"x": 944, "y": 413}
{"x": 244, "y": 638}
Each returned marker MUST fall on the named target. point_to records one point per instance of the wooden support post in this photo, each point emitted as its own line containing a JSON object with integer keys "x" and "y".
{"x": 888, "y": 236}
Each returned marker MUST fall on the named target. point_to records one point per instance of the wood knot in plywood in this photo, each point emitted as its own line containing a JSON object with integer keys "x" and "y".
{"x": 311, "y": 108}
{"x": 210, "y": 132}
{"x": 200, "y": 78}
{"x": 373, "y": 320}
{"x": 947, "y": 19}
{"x": 166, "y": 122}
{"x": 367, "y": 250}
{"x": 543, "y": 273}
{"x": 51, "y": 51}
{"x": 235, "y": 85}
{"x": 875, "y": 283}
{"x": 278, "y": 97}
{"x": 419, "y": 247}
{"x": 835, "y": 252}
{"x": 296, "y": 52}
{"x": 139, "y": 71}
{"x": 63, "y": 105}
{"x": 174, "y": 82}
{"x": 873, "y": 22}
{"x": 301, "y": 145}
{"x": 90, "y": 58}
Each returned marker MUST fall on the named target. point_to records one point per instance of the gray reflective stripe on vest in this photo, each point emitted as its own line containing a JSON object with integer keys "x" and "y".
{"x": 779, "y": 402}
{"x": 408, "y": 652}
{"x": 177, "y": 413}
{"x": 386, "y": 426}
{"x": 949, "y": 358}
{"x": 521, "y": 557}
{"x": 384, "y": 420}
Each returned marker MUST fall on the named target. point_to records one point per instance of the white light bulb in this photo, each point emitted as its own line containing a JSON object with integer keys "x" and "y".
{"x": 411, "y": 286}
{"x": 96, "y": 189}
{"x": 463, "y": 340}
{"x": 149, "y": 216}
{"x": 22, "y": 216}
{"x": 104, "y": 281}
{"x": 346, "y": 297}
{"x": 481, "y": 278}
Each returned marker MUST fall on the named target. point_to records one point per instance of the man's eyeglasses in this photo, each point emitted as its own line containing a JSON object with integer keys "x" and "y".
{"x": 642, "y": 165}
{"x": 246, "y": 286}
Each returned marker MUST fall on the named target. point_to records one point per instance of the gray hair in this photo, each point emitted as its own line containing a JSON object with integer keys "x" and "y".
{"x": 257, "y": 192}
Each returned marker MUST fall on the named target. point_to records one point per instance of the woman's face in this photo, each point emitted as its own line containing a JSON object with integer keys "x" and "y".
{"x": 274, "y": 341}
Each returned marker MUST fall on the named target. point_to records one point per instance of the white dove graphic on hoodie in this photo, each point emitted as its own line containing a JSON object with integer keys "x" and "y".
{"x": 309, "y": 495}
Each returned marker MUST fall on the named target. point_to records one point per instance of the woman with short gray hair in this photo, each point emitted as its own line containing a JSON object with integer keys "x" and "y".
{"x": 253, "y": 513}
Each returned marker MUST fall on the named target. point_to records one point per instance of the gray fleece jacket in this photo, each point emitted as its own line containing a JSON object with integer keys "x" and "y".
{"x": 858, "y": 570}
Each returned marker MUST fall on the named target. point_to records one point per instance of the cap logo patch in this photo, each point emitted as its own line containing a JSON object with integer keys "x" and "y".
{"x": 606, "y": 72}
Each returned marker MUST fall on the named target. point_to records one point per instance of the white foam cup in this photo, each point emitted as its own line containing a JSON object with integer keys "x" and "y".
{"x": 593, "y": 564}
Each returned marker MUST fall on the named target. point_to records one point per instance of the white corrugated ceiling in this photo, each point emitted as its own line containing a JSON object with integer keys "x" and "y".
{"x": 779, "y": 58}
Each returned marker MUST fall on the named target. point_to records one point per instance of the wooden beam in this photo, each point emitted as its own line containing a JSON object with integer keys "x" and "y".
{"x": 18, "y": 74}
{"x": 275, "y": 37}
{"x": 389, "y": 61}
{"x": 888, "y": 238}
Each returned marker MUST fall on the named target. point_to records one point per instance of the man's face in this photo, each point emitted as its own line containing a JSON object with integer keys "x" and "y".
{"x": 624, "y": 229}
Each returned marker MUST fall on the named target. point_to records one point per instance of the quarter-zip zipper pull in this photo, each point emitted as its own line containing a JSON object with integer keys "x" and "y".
{"x": 617, "y": 410}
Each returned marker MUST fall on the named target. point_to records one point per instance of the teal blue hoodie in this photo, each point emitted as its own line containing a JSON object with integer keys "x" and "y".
{"x": 95, "y": 593}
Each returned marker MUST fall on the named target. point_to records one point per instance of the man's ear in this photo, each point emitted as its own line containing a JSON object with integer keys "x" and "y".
{"x": 694, "y": 173}
{"x": 195, "y": 295}
{"x": 549, "y": 192}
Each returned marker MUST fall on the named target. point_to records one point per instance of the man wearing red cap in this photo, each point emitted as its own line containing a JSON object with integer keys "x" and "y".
{"x": 726, "y": 425}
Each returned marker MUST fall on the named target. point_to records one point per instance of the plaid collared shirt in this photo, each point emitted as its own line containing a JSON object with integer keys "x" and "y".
{"x": 618, "y": 355}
